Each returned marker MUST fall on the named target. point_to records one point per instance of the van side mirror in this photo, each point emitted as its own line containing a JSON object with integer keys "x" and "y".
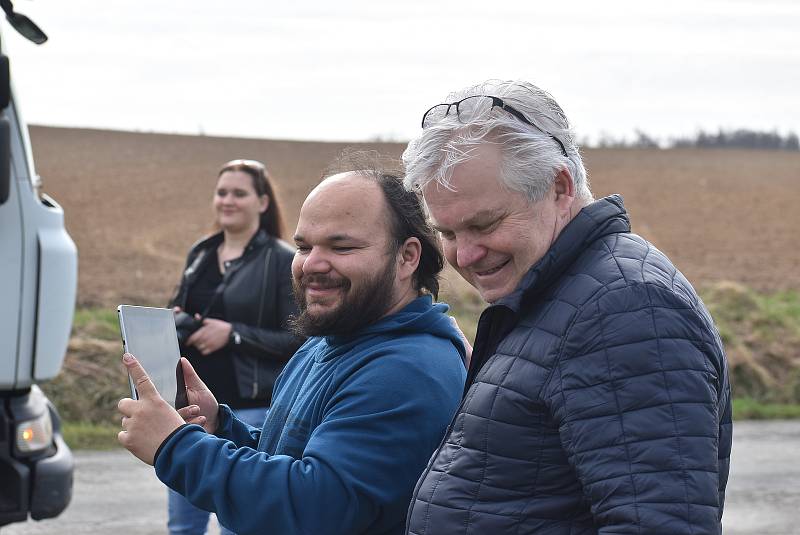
{"x": 5, "y": 160}
{"x": 25, "y": 26}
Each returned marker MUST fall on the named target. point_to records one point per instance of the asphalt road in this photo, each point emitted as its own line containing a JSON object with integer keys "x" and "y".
{"x": 116, "y": 494}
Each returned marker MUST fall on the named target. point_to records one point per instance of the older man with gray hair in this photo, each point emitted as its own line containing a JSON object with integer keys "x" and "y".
{"x": 597, "y": 399}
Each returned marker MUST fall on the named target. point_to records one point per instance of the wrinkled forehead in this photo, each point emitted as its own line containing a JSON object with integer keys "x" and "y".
{"x": 452, "y": 210}
{"x": 474, "y": 195}
{"x": 476, "y": 179}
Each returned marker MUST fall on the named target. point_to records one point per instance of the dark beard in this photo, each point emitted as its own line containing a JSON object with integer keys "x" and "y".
{"x": 359, "y": 308}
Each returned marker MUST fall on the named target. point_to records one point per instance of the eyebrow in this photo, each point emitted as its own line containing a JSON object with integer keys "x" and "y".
{"x": 477, "y": 217}
{"x": 331, "y": 238}
{"x": 234, "y": 188}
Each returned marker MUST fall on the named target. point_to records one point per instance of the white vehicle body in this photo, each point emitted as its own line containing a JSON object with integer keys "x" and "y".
{"x": 38, "y": 273}
{"x": 38, "y": 284}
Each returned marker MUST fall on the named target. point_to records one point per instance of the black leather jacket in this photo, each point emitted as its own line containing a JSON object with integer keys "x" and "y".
{"x": 258, "y": 301}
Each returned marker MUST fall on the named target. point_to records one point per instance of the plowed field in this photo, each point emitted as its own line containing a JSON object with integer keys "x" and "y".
{"x": 135, "y": 202}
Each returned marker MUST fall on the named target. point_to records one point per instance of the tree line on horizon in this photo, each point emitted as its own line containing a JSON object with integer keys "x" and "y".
{"x": 740, "y": 138}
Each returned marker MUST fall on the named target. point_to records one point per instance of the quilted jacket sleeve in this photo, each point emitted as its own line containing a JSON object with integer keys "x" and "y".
{"x": 635, "y": 394}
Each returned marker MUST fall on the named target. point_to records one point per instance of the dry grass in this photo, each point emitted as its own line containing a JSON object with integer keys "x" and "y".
{"x": 761, "y": 333}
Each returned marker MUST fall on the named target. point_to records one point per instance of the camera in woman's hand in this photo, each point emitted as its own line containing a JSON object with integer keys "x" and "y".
{"x": 185, "y": 325}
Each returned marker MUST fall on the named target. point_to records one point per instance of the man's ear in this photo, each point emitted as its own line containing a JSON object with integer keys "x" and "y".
{"x": 408, "y": 257}
{"x": 564, "y": 189}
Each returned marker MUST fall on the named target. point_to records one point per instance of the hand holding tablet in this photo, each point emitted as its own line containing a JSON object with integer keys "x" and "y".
{"x": 149, "y": 334}
{"x": 162, "y": 384}
{"x": 148, "y": 420}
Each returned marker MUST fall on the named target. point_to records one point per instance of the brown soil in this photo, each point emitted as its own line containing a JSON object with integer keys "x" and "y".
{"x": 135, "y": 202}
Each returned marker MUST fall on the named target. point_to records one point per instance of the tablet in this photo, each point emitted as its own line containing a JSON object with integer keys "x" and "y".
{"x": 149, "y": 335}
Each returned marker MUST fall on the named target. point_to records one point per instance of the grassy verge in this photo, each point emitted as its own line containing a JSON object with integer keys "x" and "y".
{"x": 99, "y": 323}
{"x": 89, "y": 436}
{"x": 761, "y": 333}
{"x": 750, "y": 409}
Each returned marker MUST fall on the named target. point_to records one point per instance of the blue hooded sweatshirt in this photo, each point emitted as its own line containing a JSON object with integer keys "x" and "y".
{"x": 353, "y": 423}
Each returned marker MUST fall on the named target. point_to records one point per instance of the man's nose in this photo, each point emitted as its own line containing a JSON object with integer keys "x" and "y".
{"x": 316, "y": 262}
{"x": 468, "y": 251}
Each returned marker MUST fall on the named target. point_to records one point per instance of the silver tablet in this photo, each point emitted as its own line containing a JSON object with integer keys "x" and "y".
{"x": 149, "y": 335}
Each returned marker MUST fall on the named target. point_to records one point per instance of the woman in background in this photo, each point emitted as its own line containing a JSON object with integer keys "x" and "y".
{"x": 232, "y": 307}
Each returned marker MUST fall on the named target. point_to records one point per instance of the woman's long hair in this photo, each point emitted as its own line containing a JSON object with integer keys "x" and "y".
{"x": 270, "y": 220}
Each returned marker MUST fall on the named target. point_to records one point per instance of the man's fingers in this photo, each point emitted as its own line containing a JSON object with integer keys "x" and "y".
{"x": 191, "y": 415}
{"x": 126, "y": 406}
{"x": 144, "y": 386}
{"x": 189, "y": 412}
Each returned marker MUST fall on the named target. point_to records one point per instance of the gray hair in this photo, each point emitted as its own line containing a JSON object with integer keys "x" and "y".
{"x": 531, "y": 157}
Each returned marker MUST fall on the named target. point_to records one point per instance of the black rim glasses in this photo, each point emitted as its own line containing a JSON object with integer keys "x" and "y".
{"x": 440, "y": 111}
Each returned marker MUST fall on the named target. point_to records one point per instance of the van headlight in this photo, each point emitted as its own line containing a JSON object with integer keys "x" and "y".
{"x": 34, "y": 435}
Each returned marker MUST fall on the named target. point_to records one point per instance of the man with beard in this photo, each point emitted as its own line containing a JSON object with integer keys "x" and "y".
{"x": 360, "y": 407}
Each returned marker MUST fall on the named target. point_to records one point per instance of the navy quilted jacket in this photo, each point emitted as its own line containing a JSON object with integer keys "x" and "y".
{"x": 598, "y": 400}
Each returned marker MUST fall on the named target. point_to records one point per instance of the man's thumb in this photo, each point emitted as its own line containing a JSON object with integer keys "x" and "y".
{"x": 190, "y": 377}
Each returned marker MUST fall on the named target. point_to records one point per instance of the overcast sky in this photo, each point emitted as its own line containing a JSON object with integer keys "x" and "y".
{"x": 362, "y": 69}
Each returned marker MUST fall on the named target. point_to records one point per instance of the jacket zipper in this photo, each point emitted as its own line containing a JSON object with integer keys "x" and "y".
{"x": 267, "y": 257}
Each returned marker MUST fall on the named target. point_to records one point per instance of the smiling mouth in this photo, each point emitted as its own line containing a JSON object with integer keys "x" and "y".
{"x": 492, "y": 271}
{"x": 321, "y": 295}
{"x": 321, "y": 289}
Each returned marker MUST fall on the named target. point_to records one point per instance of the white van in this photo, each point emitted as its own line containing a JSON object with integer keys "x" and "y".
{"x": 38, "y": 281}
